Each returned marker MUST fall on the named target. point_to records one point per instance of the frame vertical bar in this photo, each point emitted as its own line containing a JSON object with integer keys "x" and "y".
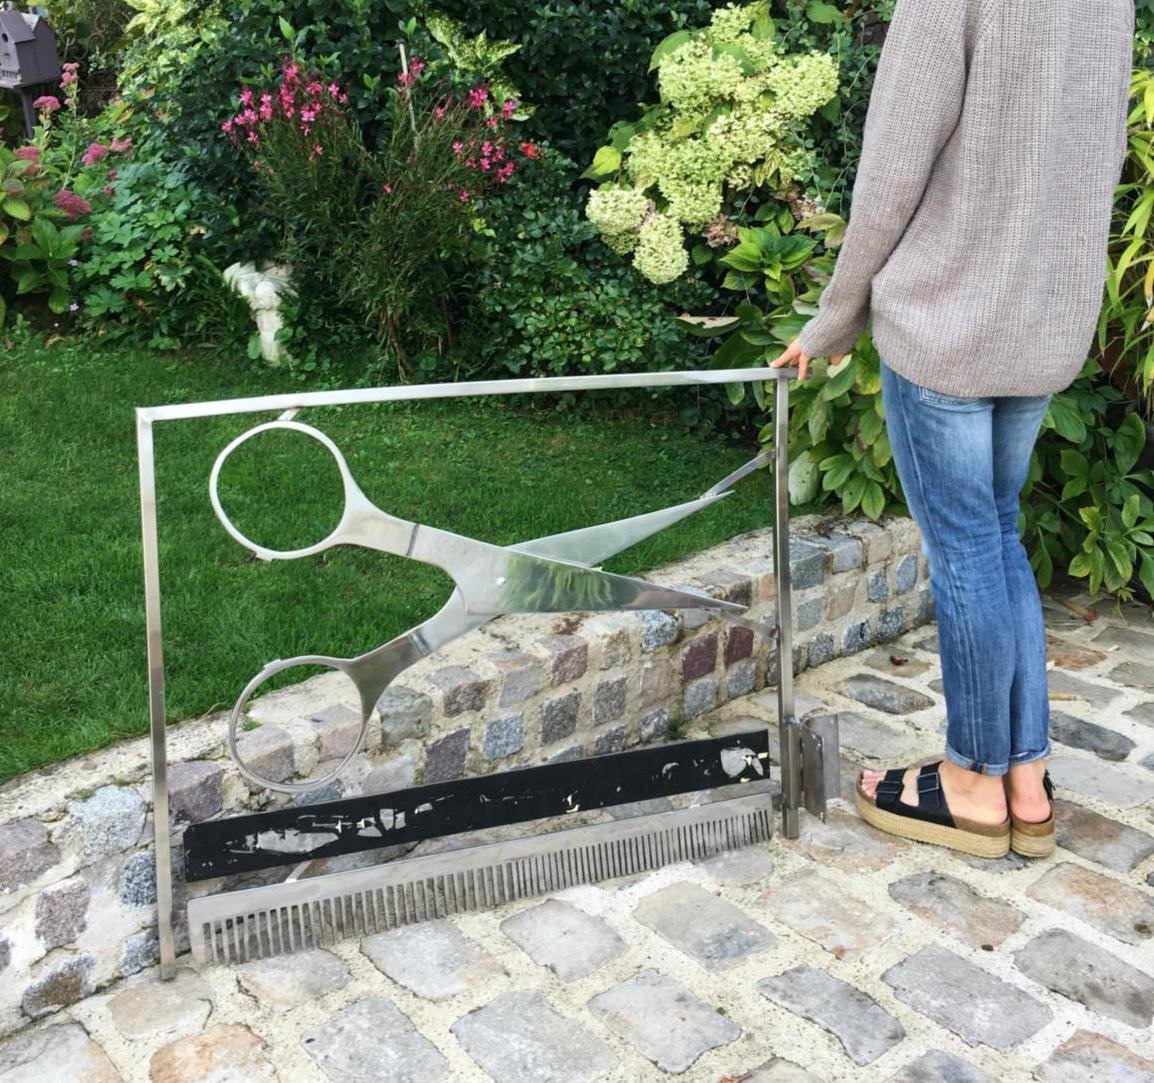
{"x": 790, "y": 750}
{"x": 156, "y": 711}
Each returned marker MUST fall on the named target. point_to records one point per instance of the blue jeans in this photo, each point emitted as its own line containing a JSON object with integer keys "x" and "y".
{"x": 962, "y": 463}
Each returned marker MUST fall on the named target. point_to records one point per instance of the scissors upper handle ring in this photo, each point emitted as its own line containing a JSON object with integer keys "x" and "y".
{"x": 351, "y": 492}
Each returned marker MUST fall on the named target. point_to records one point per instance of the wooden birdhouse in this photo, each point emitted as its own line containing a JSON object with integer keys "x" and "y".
{"x": 28, "y": 55}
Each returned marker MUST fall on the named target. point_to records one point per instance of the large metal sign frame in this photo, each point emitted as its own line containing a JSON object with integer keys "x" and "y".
{"x": 794, "y": 738}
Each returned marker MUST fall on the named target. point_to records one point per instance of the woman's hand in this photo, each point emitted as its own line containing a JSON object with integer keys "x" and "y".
{"x": 793, "y": 353}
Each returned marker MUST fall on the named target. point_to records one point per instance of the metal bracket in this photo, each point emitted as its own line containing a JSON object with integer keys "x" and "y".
{"x": 811, "y": 761}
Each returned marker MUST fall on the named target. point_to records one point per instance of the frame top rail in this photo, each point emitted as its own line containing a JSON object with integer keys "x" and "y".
{"x": 410, "y": 392}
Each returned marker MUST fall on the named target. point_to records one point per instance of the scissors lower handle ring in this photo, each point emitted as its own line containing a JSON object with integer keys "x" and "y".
{"x": 238, "y": 714}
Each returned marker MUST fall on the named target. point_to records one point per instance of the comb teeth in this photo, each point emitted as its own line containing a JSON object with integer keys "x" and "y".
{"x": 258, "y": 922}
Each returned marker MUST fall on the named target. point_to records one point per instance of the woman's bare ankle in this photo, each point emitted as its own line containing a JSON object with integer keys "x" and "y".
{"x": 1025, "y": 791}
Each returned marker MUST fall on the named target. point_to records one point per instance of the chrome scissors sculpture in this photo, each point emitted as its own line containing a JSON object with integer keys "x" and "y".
{"x": 553, "y": 574}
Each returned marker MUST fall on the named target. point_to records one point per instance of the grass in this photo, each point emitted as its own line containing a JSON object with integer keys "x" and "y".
{"x": 73, "y": 677}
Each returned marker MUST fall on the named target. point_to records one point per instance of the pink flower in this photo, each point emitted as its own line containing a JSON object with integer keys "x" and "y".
{"x": 30, "y": 153}
{"x": 246, "y": 96}
{"x": 119, "y": 146}
{"x": 492, "y": 122}
{"x": 292, "y": 73}
{"x": 388, "y": 189}
{"x": 439, "y": 112}
{"x": 509, "y": 108}
{"x": 71, "y": 204}
{"x": 343, "y": 99}
{"x": 505, "y": 172}
{"x": 253, "y": 138}
{"x": 318, "y": 149}
{"x": 226, "y": 127}
{"x": 334, "y": 90}
{"x": 46, "y": 103}
{"x": 72, "y": 66}
{"x": 406, "y": 78}
{"x": 94, "y": 153}
{"x": 315, "y": 89}
{"x": 458, "y": 148}
{"x": 108, "y": 190}
{"x": 68, "y": 78}
{"x": 464, "y": 197}
{"x": 478, "y": 96}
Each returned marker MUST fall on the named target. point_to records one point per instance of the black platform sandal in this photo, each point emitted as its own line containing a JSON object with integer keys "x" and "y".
{"x": 930, "y": 820}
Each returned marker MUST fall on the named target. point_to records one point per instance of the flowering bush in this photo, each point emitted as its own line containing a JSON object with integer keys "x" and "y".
{"x": 731, "y": 104}
{"x": 383, "y": 230}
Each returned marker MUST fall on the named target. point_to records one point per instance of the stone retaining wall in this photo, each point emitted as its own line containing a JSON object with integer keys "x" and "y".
{"x": 77, "y": 883}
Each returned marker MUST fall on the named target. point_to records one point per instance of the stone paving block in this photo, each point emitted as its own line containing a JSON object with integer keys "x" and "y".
{"x": 978, "y": 1007}
{"x": 58, "y": 1054}
{"x": 25, "y": 853}
{"x": 1067, "y": 964}
{"x": 337, "y": 730}
{"x": 373, "y": 1041}
{"x": 700, "y": 696}
{"x": 953, "y": 905}
{"x": 609, "y": 740}
{"x": 1118, "y": 910}
{"x": 445, "y": 759}
{"x": 1011, "y": 862}
{"x": 1097, "y": 695}
{"x": 62, "y": 912}
{"x": 609, "y": 700}
{"x": 699, "y": 657}
{"x": 396, "y": 773}
{"x": 223, "y": 1052}
{"x": 891, "y": 623}
{"x": 194, "y": 790}
{"x": 521, "y": 676}
{"x": 137, "y": 880}
{"x": 433, "y": 959}
{"x": 110, "y": 820}
{"x": 1069, "y": 655}
{"x": 1144, "y": 713}
{"x": 807, "y": 563}
{"x": 1098, "y": 838}
{"x": 896, "y": 663}
{"x": 884, "y": 695}
{"x": 1134, "y": 675}
{"x": 152, "y": 1008}
{"x": 857, "y": 637}
{"x": 519, "y": 1038}
{"x": 729, "y": 585}
{"x": 738, "y": 644}
{"x": 1085, "y": 1056}
{"x": 938, "y": 1066}
{"x": 559, "y": 716}
{"x": 1076, "y": 732}
{"x": 287, "y": 981}
{"x": 822, "y": 649}
{"x": 906, "y": 574}
{"x": 739, "y": 868}
{"x": 864, "y": 1028}
{"x": 872, "y": 737}
{"x": 503, "y": 737}
{"x": 658, "y": 629}
{"x": 567, "y": 940}
{"x": 1131, "y": 640}
{"x": 405, "y": 714}
{"x": 663, "y": 1020}
{"x": 929, "y": 644}
{"x": 809, "y": 613}
{"x": 462, "y": 690}
{"x": 1110, "y": 784}
{"x": 59, "y": 984}
{"x": 741, "y": 679}
{"x": 654, "y": 725}
{"x": 822, "y": 910}
{"x": 713, "y": 931}
{"x": 568, "y": 657}
{"x": 268, "y": 751}
{"x": 848, "y": 843}
{"x": 780, "y": 1070}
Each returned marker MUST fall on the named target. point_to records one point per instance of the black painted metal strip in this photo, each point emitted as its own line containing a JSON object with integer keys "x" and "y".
{"x": 289, "y": 836}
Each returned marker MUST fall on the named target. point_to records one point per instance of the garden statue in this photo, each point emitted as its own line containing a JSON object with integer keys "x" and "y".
{"x": 262, "y": 290}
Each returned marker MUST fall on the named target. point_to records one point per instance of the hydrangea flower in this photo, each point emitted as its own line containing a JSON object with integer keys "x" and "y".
{"x": 660, "y": 255}
{"x": 616, "y": 210}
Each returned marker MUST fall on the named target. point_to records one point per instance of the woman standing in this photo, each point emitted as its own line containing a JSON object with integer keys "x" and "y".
{"x": 976, "y": 248}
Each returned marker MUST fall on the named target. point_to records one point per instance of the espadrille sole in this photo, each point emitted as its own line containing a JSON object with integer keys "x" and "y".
{"x": 981, "y": 840}
{"x": 1032, "y": 839}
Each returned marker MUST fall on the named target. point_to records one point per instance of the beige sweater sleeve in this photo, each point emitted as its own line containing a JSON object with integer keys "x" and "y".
{"x": 915, "y": 104}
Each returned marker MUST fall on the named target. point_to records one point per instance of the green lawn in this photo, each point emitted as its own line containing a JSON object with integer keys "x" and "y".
{"x": 74, "y": 676}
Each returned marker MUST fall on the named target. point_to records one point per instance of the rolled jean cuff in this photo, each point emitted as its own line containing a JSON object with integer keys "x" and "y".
{"x": 970, "y": 764}
{"x": 1019, "y": 758}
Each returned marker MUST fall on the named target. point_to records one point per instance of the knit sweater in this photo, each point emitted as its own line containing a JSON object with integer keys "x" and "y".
{"x": 976, "y": 242}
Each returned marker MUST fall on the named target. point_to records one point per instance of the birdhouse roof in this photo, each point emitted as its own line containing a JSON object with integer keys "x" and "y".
{"x": 18, "y": 26}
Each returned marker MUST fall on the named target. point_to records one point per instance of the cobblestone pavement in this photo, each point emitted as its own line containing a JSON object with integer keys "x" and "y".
{"x": 843, "y": 955}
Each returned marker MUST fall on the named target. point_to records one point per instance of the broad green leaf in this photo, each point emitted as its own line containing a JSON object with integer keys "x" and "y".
{"x": 708, "y": 326}
{"x": 1130, "y": 511}
{"x": 1074, "y": 463}
{"x": 1129, "y": 439}
{"x": 17, "y": 208}
{"x": 873, "y": 501}
{"x": 606, "y": 162}
{"x": 287, "y": 32}
{"x": 58, "y": 300}
{"x": 670, "y": 45}
{"x": 822, "y": 13}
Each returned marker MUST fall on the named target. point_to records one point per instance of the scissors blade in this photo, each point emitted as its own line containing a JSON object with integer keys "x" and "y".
{"x": 593, "y": 544}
